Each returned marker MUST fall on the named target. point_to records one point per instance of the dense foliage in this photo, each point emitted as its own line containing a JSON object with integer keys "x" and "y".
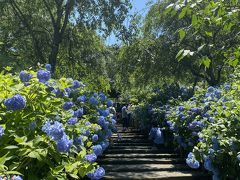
{"x": 207, "y": 125}
{"x": 51, "y": 128}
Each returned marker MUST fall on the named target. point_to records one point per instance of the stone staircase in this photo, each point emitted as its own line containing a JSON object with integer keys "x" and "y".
{"x": 134, "y": 157}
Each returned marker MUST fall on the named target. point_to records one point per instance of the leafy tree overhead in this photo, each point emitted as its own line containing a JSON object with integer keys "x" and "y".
{"x": 205, "y": 34}
{"x": 44, "y": 25}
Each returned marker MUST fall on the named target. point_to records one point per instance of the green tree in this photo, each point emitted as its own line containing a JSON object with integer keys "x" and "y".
{"x": 45, "y": 25}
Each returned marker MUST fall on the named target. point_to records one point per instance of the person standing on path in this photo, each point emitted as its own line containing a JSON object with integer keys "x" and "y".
{"x": 125, "y": 117}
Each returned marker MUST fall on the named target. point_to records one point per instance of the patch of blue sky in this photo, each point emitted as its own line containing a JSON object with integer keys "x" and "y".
{"x": 140, "y": 7}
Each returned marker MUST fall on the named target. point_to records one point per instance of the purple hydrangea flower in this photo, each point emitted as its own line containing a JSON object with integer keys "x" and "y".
{"x": 17, "y": 102}
{"x": 1, "y": 131}
{"x": 43, "y": 76}
{"x": 97, "y": 149}
{"x": 48, "y": 67}
{"x": 64, "y": 144}
{"x": 72, "y": 121}
{"x": 91, "y": 157}
{"x": 95, "y": 138}
{"x": 78, "y": 113}
{"x": 24, "y": 76}
{"x": 68, "y": 105}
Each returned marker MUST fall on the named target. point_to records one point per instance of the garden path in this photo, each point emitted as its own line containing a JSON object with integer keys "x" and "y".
{"x": 134, "y": 157}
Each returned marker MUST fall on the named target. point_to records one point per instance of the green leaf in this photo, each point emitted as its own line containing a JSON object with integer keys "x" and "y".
{"x": 194, "y": 20}
{"x": 183, "y": 12}
{"x": 11, "y": 147}
{"x": 210, "y": 34}
{"x": 179, "y": 55}
{"x": 206, "y": 62}
{"x": 233, "y": 63}
{"x": 182, "y": 34}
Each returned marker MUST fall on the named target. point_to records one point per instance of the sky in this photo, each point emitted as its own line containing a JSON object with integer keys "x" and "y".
{"x": 138, "y": 6}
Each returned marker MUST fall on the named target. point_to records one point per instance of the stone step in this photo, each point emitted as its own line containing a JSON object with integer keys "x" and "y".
{"x": 145, "y": 167}
{"x": 130, "y": 147}
{"x": 140, "y": 160}
{"x": 130, "y": 140}
{"x": 158, "y": 175}
{"x": 132, "y": 155}
{"x": 136, "y": 150}
{"x": 131, "y": 136}
{"x": 131, "y": 144}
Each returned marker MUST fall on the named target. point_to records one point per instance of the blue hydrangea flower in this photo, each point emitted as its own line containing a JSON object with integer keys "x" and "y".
{"x": 104, "y": 144}
{"x": 55, "y": 130}
{"x": 68, "y": 105}
{"x": 1, "y": 131}
{"x": 87, "y": 123}
{"x": 93, "y": 101}
{"x": 16, "y": 177}
{"x": 108, "y": 133}
{"x": 238, "y": 157}
{"x": 114, "y": 122}
{"x": 24, "y": 76}
{"x": 101, "y": 121}
{"x": 48, "y": 67}
{"x": 181, "y": 108}
{"x": 95, "y": 138}
{"x": 91, "y": 157}
{"x": 227, "y": 86}
{"x": 210, "y": 89}
{"x": 97, "y": 174}
{"x": 32, "y": 125}
{"x": 17, "y": 102}
{"x": 43, "y": 76}
{"x": 192, "y": 162}
{"x": 67, "y": 92}
{"x": 102, "y": 97}
{"x": 64, "y": 144}
{"x": 104, "y": 112}
{"x": 208, "y": 164}
{"x": 76, "y": 84}
{"x": 109, "y": 103}
{"x": 78, "y": 113}
{"x": 72, "y": 121}
{"x": 82, "y": 98}
{"x": 97, "y": 149}
{"x": 78, "y": 141}
{"x": 86, "y": 133}
{"x": 58, "y": 93}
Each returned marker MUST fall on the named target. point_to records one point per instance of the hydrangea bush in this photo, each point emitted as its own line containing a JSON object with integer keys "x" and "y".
{"x": 208, "y": 127}
{"x": 51, "y": 128}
